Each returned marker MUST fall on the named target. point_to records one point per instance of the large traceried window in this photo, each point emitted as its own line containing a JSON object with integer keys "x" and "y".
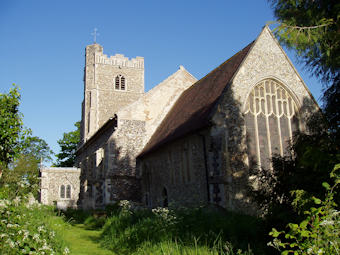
{"x": 271, "y": 118}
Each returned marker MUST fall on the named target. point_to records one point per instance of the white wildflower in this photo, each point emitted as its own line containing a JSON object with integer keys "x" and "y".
{"x": 36, "y": 237}
{"x": 3, "y": 204}
{"x": 10, "y": 243}
{"x": 66, "y": 250}
{"x": 327, "y": 222}
{"x": 125, "y": 204}
{"x": 16, "y": 201}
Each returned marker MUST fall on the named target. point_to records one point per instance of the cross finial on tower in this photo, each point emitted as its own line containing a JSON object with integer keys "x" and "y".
{"x": 95, "y": 34}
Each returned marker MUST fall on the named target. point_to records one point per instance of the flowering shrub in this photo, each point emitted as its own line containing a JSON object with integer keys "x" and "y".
{"x": 165, "y": 215}
{"x": 23, "y": 229}
{"x": 319, "y": 232}
{"x": 125, "y": 206}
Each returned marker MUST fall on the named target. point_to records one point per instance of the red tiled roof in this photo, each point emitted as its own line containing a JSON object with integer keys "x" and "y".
{"x": 193, "y": 109}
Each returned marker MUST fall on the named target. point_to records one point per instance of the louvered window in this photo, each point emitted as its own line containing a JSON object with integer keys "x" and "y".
{"x": 120, "y": 82}
{"x": 117, "y": 84}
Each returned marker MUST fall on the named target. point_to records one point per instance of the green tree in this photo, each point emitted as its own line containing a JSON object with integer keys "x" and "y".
{"x": 37, "y": 148}
{"x": 10, "y": 125}
{"x": 312, "y": 29}
{"x": 22, "y": 174}
{"x": 68, "y": 146}
{"x": 22, "y": 177}
{"x": 20, "y": 153}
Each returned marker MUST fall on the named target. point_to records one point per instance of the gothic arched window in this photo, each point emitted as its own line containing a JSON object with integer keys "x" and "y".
{"x": 68, "y": 191}
{"x": 271, "y": 118}
{"x": 62, "y": 191}
{"x": 120, "y": 82}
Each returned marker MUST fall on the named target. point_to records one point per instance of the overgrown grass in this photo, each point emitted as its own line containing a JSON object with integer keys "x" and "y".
{"x": 175, "y": 247}
{"x": 186, "y": 231}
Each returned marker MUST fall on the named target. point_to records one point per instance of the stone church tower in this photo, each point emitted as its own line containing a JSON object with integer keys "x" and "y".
{"x": 110, "y": 83}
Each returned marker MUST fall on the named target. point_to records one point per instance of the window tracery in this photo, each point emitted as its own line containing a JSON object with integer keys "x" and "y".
{"x": 271, "y": 118}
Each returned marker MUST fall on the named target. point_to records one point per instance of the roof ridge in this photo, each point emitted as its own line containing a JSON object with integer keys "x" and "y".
{"x": 192, "y": 109}
{"x": 225, "y": 62}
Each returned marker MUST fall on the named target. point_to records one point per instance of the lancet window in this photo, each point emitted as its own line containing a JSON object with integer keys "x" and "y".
{"x": 68, "y": 191}
{"x": 271, "y": 118}
{"x": 62, "y": 191}
{"x": 120, "y": 82}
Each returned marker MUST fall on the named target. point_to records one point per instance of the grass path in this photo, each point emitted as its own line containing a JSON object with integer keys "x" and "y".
{"x": 83, "y": 242}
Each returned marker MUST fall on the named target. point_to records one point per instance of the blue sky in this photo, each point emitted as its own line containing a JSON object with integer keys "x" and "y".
{"x": 43, "y": 43}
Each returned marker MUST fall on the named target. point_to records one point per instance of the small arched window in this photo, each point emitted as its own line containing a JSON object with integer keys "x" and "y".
{"x": 62, "y": 191}
{"x": 68, "y": 191}
{"x": 120, "y": 82}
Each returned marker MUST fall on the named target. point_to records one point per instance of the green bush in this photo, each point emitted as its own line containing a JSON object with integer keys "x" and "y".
{"x": 319, "y": 232}
{"x": 25, "y": 229}
{"x": 93, "y": 222}
{"x": 75, "y": 216}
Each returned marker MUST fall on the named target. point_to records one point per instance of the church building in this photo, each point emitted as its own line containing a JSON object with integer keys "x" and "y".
{"x": 187, "y": 142}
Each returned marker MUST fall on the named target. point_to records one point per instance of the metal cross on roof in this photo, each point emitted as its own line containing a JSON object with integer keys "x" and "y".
{"x": 95, "y": 34}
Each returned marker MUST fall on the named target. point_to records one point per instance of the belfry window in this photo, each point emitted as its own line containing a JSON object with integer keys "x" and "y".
{"x": 120, "y": 82}
{"x": 271, "y": 118}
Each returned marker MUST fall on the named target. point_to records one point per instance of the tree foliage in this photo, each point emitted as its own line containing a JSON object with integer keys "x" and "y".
{"x": 312, "y": 159}
{"x": 68, "y": 146}
{"x": 22, "y": 177}
{"x": 312, "y": 28}
{"x": 10, "y": 125}
{"x": 37, "y": 148}
{"x": 20, "y": 152}
{"x": 318, "y": 232}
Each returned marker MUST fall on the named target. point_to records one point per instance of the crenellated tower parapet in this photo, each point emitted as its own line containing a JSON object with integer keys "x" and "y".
{"x": 120, "y": 60}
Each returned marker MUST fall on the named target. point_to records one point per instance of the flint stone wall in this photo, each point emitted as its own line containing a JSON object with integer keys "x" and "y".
{"x": 51, "y": 180}
{"x": 266, "y": 60}
{"x": 178, "y": 168}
